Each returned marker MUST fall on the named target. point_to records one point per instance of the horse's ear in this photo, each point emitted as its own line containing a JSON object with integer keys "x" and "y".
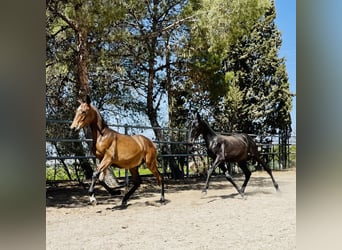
{"x": 88, "y": 100}
{"x": 198, "y": 116}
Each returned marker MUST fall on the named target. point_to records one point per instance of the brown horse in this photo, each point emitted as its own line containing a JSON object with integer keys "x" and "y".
{"x": 113, "y": 148}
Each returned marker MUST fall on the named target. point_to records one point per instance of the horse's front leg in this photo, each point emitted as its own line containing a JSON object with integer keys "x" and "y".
{"x": 101, "y": 168}
{"x": 95, "y": 176}
{"x": 210, "y": 171}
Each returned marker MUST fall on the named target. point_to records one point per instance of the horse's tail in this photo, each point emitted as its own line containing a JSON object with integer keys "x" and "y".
{"x": 151, "y": 158}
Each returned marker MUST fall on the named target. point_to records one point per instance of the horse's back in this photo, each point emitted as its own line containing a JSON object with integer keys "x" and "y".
{"x": 136, "y": 143}
{"x": 148, "y": 144}
{"x": 128, "y": 142}
{"x": 238, "y": 146}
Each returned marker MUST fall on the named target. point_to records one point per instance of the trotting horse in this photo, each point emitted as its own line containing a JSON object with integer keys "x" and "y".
{"x": 113, "y": 148}
{"x": 236, "y": 148}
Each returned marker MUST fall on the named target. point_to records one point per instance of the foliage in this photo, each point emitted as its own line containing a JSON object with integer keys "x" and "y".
{"x": 258, "y": 100}
{"x": 153, "y": 61}
{"x": 218, "y": 25}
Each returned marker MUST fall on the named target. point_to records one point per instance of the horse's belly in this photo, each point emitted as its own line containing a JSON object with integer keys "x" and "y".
{"x": 236, "y": 157}
{"x": 128, "y": 163}
{"x": 128, "y": 160}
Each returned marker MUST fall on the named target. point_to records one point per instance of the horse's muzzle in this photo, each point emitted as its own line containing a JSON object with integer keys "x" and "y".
{"x": 73, "y": 130}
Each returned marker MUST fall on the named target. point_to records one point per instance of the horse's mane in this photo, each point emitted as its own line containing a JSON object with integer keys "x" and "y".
{"x": 207, "y": 124}
{"x": 103, "y": 122}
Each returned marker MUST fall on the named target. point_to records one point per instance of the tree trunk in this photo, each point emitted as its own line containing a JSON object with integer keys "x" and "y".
{"x": 82, "y": 54}
{"x": 84, "y": 90}
{"x": 82, "y": 63}
{"x": 175, "y": 171}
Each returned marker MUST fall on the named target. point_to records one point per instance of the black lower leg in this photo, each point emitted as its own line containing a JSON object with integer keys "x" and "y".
{"x": 210, "y": 171}
{"x": 230, "y": 179}
{"x": 95, "y": 176}
{"x": 162, "y": 197}
{"x": 247, "y": 173}
{"x": 136, "y": 184}
{"x": 275, "y": 184}
{"x": 128, "y": 194}
{"x": 269, "y": 171}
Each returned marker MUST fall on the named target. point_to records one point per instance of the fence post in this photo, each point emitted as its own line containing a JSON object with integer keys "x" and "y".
{"x": 187, "y": 152}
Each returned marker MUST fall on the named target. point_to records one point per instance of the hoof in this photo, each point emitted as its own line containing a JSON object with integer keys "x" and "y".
{"x": 123, "y": 205}
{"x": 92, "y": 200}
{"x": 204, "y": 193}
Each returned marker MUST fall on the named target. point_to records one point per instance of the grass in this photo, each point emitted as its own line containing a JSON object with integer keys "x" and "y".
{"x": 58, "y": 173}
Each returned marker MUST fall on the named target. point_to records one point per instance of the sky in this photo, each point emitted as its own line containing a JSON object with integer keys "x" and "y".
{"x": 286, "y": 23}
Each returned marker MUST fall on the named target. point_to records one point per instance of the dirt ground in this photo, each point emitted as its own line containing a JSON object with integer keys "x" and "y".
{"x": 264, "y": 219}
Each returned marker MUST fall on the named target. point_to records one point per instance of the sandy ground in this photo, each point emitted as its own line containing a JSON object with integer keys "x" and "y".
{"x": 264, "y": 219}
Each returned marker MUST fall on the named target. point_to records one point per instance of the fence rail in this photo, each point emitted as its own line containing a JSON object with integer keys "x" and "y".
{"x": 173, "y": 147}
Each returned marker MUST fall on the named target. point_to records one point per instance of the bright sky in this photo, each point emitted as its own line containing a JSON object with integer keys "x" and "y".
{"x": 286, "y": 23}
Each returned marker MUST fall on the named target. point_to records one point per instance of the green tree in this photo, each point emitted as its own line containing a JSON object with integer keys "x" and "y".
{"x": 254, "y": 65}
{"x": 122, "y": 52}
{"x": 73, "y": 29}
{"x": 215, "y": 26}
{"x": 137, "y": 57}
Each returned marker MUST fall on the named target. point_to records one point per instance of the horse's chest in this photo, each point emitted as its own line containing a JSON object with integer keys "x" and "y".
{"x": 216, "y": 147}
{"x": 102, "y": 147}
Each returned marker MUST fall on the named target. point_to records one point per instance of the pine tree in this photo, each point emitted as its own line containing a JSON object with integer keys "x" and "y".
{"x": 215, "y": 26}
{"x": 254, "y": 66}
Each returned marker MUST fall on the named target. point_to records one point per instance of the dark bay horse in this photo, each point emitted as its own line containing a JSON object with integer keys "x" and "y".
{"x": 119, "y": 150}
{"x": 236, "y": 148}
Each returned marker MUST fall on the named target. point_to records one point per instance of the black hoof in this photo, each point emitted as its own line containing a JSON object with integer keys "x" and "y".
{"x": 120, "y": 207}
{"x": 124, "y": 205}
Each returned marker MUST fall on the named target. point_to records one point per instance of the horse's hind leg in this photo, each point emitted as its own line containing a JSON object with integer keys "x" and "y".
{"x": 247, "y": 173}
{"x": 269, "y": 171}
{"x": 230, "y": 178}
{"x": 151, "y": 163}
{"x": 136, "y": 184}
{"x": 160, "y": 179}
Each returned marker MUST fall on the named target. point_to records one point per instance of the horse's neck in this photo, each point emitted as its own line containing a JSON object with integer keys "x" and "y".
{"x": 208, "y": 132}
{"x": 98, "y": 127}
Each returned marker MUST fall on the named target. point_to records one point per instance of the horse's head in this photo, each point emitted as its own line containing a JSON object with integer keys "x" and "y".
{"x": 84, "y": 115}
{"x": 195, "y": 127}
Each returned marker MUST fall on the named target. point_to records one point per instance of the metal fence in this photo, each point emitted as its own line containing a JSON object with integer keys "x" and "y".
{"x": 173, "y": 150}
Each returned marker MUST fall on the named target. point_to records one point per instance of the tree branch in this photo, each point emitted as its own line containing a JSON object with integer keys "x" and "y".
{"x": 54, "y": 10}
{"x": 171, "y": 26}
